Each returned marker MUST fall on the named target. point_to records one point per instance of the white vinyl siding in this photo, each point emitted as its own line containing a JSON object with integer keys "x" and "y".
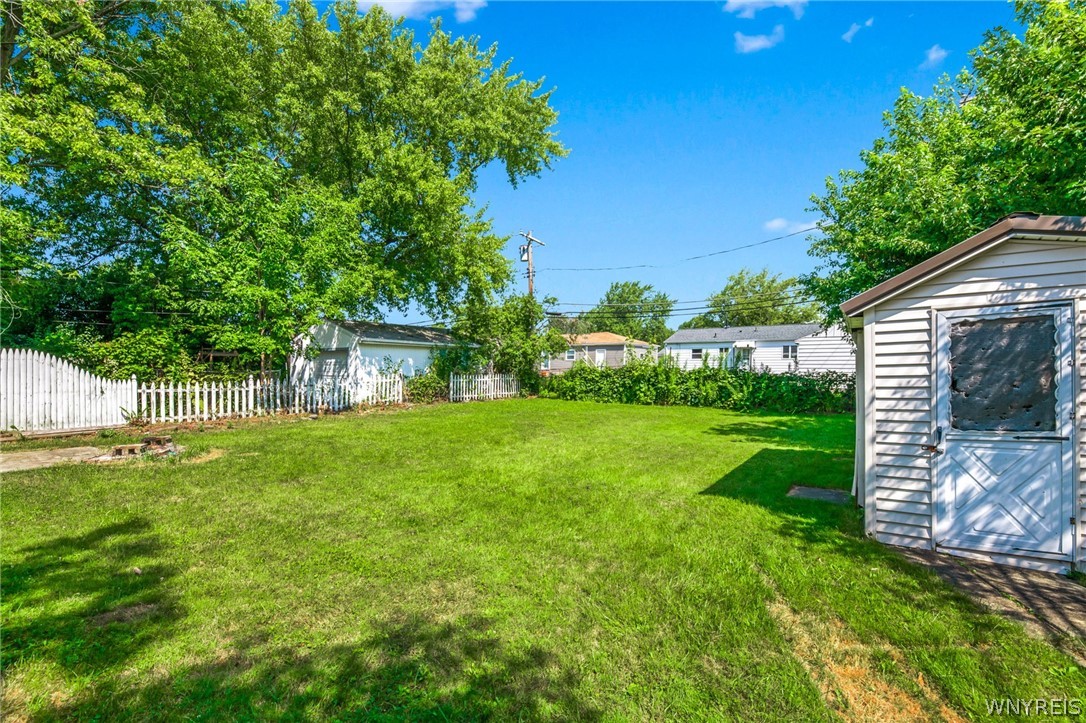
{"x": 900, "y": 358}
{"x": 682, "y": 353}
{"x": 345, "y": 354}
{"x": 823, "y": 351}
{"x": 769, "y": 355}
{"x": 828, "y": 350}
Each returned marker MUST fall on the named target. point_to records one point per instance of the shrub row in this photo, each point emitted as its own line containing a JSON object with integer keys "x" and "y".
{"x": 662, "y": 382}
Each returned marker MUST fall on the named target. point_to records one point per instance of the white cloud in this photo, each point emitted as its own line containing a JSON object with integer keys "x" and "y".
{"x": 934, "y": 57}
{"x": 467, "y": 9}
{"x": 784, "y": 226}
{"x": 855, "y": 28}
{"x": 754, "y": 43}
{"x": 464, "y": 10}
{"x": 749, "y": 8}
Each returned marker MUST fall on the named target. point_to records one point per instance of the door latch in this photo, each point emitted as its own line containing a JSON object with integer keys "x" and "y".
{"x": 934, "y": 448}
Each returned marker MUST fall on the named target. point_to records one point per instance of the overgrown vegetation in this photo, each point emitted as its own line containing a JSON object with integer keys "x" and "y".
{"x": 523, "y": 560}
{"x": 426, "y": 388}
{"x": 644, "y": 381}
{"x": 509, "y": 337}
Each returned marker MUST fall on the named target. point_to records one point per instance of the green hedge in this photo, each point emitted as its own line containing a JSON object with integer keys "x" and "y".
{"x": 662, "y": 382}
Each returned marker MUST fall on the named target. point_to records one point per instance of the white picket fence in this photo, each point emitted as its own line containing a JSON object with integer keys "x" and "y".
{"x": 477, "y": 387}
{"x": 196, "y": 401}
{"x": 42, "y": 393}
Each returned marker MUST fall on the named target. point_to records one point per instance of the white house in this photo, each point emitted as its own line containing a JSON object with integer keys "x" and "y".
{"x": 971, "y": 397}
{"x": 358, "y": 350}
{"x": 780, "y": 348}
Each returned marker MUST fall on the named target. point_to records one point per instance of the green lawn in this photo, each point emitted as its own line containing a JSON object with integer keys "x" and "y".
{"x": 528, "y": 559}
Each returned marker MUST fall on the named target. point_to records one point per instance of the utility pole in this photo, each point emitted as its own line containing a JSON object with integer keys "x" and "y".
{"x": 526, "y": 255}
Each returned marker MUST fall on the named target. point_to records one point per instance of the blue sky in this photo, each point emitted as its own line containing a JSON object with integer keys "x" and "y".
{"x": 699, "y": 126}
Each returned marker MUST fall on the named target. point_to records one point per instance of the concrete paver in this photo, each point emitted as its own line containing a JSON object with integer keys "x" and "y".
{"x": 38, "y": 458}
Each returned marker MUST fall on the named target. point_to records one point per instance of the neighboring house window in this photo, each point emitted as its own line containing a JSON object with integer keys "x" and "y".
{"x": 791, "y": 351}
{"x": 742, "y": 358}
{"x": 571, "y": 354}
{"x": 545, "y": 365}
{"x": 695, "y": 354}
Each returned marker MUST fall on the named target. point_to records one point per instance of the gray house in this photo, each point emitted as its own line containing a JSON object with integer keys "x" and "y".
{"x": 601, "y": 348}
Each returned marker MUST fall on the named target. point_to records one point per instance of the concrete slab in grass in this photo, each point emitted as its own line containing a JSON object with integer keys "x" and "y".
{"x": 38, "y": 458}
{"x": 837, "y": 497}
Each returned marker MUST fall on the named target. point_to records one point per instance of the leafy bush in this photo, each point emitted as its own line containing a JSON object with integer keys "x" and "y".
{"x": 643, "y": 381}
{"x": 426, "y": 388}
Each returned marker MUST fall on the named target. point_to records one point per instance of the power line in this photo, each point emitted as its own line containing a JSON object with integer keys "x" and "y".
{"x": 689, "y": 258}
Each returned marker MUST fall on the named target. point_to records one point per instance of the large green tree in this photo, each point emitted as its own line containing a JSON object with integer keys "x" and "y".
{"x": 755, "y": 299}
{"x": 632, "y": 309}
{"x": 1006, "y": 135}
{"x": 229, "y": 172}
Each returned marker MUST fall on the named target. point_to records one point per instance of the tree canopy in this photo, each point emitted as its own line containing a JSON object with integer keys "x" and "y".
{"x": 1006, "y": 135}
{"x": 632, "y": 309}
{"x": 220, "y": 175}
{"x": 755, "y": 299}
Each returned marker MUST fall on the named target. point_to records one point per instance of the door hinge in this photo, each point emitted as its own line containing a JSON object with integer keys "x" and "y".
{"x": 1073, "y": 520}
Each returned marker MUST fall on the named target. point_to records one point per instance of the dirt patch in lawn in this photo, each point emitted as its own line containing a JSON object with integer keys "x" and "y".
{"x": 845, "y": 670}
{"x": 125, "y": 614}
{"x": 209, "y": 455}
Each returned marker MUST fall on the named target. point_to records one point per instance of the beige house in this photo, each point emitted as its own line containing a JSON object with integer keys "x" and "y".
{"x": 971, "y": 397}
{"x": 600, "y": 348}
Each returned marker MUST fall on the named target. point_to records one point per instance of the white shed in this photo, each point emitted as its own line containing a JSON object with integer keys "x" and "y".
{"x": 971, "y": 397}
{"x": 359, "y": 350}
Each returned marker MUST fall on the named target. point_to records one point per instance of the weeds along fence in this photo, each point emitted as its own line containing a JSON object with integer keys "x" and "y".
{"x": 479, "y": 387}
{"x": 41, "y": 393}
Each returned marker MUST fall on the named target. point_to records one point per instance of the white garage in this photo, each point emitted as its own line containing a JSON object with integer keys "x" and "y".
{"x": 357, "y": 351}
{"x": 971, "y": 397}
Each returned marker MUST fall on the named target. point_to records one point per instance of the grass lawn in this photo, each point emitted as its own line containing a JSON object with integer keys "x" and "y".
{"x": 528, "y": 559}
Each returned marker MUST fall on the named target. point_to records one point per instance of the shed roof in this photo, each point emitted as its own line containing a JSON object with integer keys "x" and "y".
{"x": 1016, "y": 225}
{"x": 602, "y": 338}
{"x": 398, "y": 333}
{"x": 778, "y": 332}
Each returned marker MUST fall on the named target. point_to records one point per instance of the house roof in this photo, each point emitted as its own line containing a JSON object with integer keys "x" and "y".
{"x": 1017, "y": 225}
{"x": 778, "y": 332}
{"x": 398, "y": 333}
{"x": 602, "y": 338}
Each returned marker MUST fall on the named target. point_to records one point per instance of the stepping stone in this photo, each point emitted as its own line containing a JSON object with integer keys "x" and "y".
{"x": 837, "y": 497}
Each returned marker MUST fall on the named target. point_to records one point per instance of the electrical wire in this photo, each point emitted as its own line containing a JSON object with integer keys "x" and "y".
{"x": 681, "y": 261}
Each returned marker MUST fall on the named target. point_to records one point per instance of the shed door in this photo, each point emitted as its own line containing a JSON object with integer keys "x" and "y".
{"x": 1003, "y": 474}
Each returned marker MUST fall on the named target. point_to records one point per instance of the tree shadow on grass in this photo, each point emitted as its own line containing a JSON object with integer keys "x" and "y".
{"x": 77, "y": 601}
{"x": 411, "y": 667}
{"x": 811, "y": 432}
